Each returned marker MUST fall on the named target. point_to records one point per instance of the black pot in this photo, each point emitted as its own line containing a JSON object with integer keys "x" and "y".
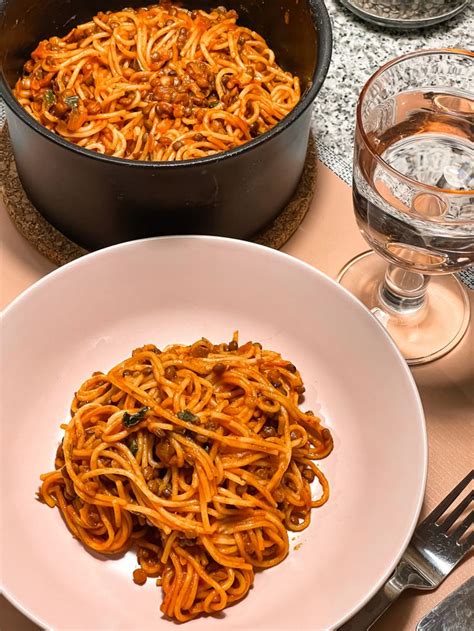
{"x": 98, "y": 200}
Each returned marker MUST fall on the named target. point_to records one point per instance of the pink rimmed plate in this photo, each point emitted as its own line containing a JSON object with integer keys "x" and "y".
{"x": 91, "y": 313}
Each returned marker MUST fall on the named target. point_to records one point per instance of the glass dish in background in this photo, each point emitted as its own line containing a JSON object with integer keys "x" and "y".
{"x": 405, "y": 14}
{"x": 413, "y": 192}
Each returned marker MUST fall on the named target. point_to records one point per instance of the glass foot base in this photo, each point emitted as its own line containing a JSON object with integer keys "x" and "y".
{"x": 424, "y": 334}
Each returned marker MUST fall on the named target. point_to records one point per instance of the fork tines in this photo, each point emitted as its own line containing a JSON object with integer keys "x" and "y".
{"x": 457, "y": 511}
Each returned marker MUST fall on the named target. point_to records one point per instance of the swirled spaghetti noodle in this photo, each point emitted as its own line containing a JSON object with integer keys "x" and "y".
{"x": 157, "y": 83}
{"x": 200, "y": 459}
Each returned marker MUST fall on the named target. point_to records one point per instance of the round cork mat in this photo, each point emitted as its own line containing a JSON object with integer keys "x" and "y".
{"x": 60, "y": 250}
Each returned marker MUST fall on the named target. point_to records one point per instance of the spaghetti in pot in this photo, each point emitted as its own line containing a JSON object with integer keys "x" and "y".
{"x": 200, "y": 459}
{"x": 157, "y": 83}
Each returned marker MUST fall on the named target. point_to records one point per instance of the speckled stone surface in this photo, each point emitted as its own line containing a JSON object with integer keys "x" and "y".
{"x": 60, "y": 250}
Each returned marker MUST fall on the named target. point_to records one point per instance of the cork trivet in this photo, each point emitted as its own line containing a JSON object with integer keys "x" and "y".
{"x": 60, "y": 250}
{"x": 286, "y": 223}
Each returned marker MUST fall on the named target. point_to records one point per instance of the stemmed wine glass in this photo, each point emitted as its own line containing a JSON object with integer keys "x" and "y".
{"x": 413, "y": 194}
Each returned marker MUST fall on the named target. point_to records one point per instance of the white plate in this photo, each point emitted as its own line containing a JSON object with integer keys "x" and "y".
{"x": 91, "y": 313}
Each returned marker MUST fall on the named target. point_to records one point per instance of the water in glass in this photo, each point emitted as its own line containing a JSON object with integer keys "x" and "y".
{"x": 416, "y": 205}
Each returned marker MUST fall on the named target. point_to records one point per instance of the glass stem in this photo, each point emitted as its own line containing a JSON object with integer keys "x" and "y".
{"x": 403, "y": 291}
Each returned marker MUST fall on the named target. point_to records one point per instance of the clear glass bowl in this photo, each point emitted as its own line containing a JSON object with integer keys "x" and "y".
{"x": 405, "y": 14}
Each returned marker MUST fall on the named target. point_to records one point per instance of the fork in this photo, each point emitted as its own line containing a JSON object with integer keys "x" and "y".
{"x": 432, "y": 554}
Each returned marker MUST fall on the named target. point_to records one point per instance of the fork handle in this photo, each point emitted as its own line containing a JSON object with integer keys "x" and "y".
{"x": 376, "y": 606}
{"x": 405, "y": 575}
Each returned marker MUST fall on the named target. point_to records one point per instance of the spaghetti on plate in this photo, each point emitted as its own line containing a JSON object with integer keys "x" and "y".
{"x": 197, "y": 457}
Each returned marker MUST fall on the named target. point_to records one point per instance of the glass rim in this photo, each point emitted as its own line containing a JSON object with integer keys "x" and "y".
{"x": 360, "y": 126}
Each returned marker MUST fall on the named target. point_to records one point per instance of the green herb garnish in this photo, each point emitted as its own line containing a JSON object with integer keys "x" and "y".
{"x": 49, "y": 97}
{"x": 72, "y": 102}
{"x": 132, "y": 419}
{"x": 213, "y": 104}
{"x": 189, "y": 417}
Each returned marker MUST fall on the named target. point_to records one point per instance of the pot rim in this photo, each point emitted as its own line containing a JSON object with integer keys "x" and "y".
{"x": 322, "y": 23}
